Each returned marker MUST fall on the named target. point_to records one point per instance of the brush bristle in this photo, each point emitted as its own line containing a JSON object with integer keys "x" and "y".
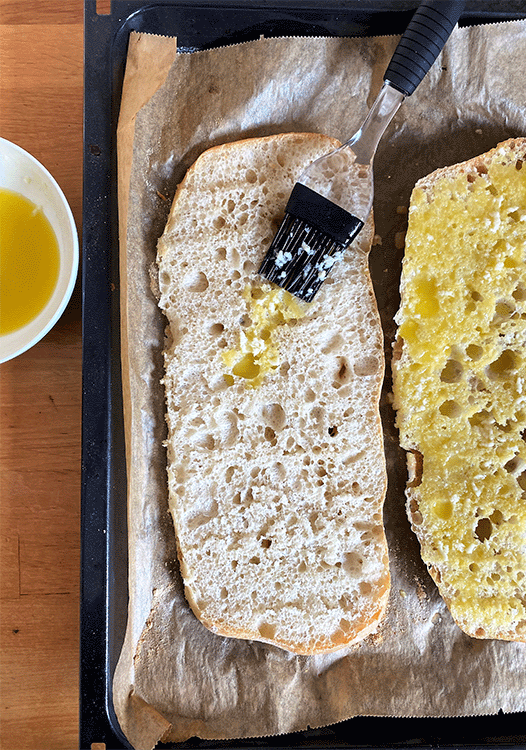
{"x": 300, "y": 258}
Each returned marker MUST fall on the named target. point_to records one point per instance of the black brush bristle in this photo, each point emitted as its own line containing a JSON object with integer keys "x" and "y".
{"x": 310, "y": 240}
{"x": 300, "y": 257}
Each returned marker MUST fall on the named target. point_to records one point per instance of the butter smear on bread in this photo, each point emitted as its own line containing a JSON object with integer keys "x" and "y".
{"x": 459, "y": 377}
{"x": 258, "y": 352}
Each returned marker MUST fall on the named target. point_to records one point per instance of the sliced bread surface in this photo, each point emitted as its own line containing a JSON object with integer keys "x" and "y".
{"x": 459, "y": 383}
{"x": 276, "y": 467}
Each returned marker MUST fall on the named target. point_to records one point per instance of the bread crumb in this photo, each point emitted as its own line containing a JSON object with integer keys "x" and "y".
{"x": 400, "y": 240}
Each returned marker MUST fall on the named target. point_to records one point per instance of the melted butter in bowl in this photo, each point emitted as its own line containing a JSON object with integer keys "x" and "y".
{"x": 29, "y": 260}
{"x": 268, "y": 308}
{"x": 39, "y": 251}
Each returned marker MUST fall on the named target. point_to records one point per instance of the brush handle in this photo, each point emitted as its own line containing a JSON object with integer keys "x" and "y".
{"x": 422, "y": 42}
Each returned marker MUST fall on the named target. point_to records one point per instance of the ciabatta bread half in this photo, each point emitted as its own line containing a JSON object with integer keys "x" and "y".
{"x": 276, "y": 466}
{"x": 459, "y": 378}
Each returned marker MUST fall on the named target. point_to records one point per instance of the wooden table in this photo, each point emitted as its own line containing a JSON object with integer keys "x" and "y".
{"x": 41, "y": 92}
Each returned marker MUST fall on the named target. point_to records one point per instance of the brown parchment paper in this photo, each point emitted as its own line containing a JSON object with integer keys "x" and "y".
{"x": 174, "y": 679}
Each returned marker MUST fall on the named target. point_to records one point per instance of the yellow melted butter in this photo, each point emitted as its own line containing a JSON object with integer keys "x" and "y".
{"x": 29, "y": 261}
{"x": 463, "y": 373}
{"x": 258, "y": 351}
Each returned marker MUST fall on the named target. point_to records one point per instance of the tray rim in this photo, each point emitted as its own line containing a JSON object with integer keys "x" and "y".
{"x": 103, "y": 539}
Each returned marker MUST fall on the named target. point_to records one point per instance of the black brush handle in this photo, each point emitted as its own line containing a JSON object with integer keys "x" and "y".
{"x": 424, "y": 38}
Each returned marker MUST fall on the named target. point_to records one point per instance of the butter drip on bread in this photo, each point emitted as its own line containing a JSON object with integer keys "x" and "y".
{"x": 459, "y": 384}
{"x": 275, "y": 489}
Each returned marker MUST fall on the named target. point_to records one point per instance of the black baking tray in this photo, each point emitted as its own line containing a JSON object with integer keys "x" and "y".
{"x": 198, "y": 25}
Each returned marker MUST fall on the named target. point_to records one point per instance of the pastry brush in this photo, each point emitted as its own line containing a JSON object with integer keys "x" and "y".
{"x": 332, "y": 199}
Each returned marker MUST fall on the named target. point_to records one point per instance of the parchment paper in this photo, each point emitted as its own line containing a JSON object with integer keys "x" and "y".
{"x": 175, "y": 679}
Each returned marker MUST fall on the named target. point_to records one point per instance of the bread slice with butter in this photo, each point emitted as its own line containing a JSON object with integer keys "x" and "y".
{"x": 276, "y": 468}
{"x": 459, "y": 380}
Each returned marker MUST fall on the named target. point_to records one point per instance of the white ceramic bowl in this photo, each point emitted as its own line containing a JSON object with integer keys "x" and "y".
{"x": 22, "y": 173}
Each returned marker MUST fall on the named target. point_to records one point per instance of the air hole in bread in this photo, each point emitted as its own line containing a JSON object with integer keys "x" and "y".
{"x": 270, "y": 435}
{"x": 332, "y": 343}
{"x": 503, "y": 311}
{"x": 274, "y": 416}
{"x": 265, "y": 543}
{"x": 230, "y": 205}
{"x": 353, "y": 563}
{"x": 483, "y": 529}
{"x": 290, "y": 444}
{"x": 514, "y": 465}
{"x": 365, "y": 588}
{"x": 255, "y": 560}
{"x": 503, "y": 366}
{"x": 342, "y": 372}
{"x": 333, "y": 431}
{"x": 450, "y": 408}
{"x": 165, "y": 280}
{"x": 365, "y": 366}
{"x": 310, "y": 396}
{"x": 216, "y": 329}
{"x": 521, "y": 480}
{"x": 317, "y": 414}
{"x": 266, "y": 630}
{"x": 480, "y": 418}
{"x": 496, "y": 517}
{"x": 474, "y": 351}
{"x": 519, "y": 293}
{"x": 233, "y": 257}
{"x": 452, "y": 372}
{"x": 219, "y": 222}
{"x": 345, "y": 625}
{"x": 249, "y": 498}
{"x": 196, "y": 281}
{"x": 414, "y": 511}
{"x": 443, "y": 510}
{"x": 221, "y": 253}
{"x": 206, "y": 441}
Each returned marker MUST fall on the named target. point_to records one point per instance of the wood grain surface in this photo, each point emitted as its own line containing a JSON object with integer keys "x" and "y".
{"x": 41, "y": 91}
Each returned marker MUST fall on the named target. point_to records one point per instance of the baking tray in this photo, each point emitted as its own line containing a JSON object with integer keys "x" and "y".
{"x": 197, "y": 25}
